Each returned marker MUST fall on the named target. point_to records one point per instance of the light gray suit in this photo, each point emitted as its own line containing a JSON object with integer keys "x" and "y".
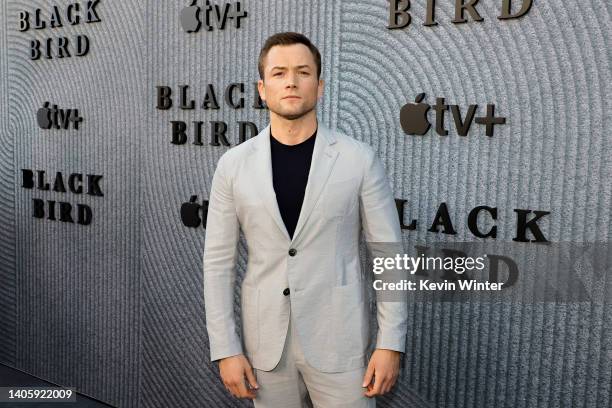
{"x": 347, "y": 190}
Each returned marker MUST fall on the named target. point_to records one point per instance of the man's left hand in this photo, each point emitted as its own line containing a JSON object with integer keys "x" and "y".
{"x": 384, "y": 367}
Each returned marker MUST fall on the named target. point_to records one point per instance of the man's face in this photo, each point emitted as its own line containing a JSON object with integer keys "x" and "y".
{"x": 290, "y": 87}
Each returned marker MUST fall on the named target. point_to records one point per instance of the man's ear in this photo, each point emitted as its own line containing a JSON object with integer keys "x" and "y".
{"x": 321, "y": 87}
{"x": 261, "y": 88}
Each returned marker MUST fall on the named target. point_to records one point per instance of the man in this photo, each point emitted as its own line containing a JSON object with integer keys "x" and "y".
{"x": 301, "y": 193}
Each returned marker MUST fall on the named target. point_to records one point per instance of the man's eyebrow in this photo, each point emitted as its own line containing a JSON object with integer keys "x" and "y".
{"x": 298, "y": 67}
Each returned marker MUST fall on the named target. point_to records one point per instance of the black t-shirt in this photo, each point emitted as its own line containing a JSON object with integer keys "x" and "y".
{"x": 290, "y": 169}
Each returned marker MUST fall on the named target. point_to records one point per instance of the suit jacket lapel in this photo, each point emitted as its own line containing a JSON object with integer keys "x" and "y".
{"x": 263, "y": 177}
{"x": 323, "y": 159}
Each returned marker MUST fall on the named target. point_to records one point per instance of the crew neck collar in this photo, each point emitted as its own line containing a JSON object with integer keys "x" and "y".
{"x": 310, "y": 139}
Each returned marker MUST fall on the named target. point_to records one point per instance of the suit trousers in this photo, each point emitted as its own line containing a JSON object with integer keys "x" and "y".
{"x": 293, "y": 383}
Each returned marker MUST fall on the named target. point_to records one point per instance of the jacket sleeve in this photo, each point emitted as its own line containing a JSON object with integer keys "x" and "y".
{"x": 380, "y": 223}
{"x": 219, "y": 264}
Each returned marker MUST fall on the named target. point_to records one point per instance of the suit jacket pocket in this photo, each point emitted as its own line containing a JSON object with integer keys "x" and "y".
{"x": 349, "y": 318}
{"x": 250, "y": 322}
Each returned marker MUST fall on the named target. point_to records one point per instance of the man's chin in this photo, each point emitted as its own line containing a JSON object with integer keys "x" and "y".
{"x": 293, "y": 115}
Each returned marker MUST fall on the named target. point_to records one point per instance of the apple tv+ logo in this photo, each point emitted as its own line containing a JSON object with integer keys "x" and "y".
{"x": 193, "y": 16}
{"x": 48, "y": 117}
{"x": 56, "y": 17}
{"x": 413, "y": 117}
{"x": 234, "y": 98}
{"x": 190, "y": 213}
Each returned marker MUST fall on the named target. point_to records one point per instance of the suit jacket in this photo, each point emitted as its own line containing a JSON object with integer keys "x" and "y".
{"x": 347, "y": 191}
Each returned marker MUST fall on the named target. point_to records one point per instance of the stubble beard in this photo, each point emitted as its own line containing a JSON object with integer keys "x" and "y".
{"x": 294, "y": 116}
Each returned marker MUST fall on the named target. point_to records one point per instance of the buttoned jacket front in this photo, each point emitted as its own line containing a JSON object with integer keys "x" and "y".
{"x": 347, "y": 192}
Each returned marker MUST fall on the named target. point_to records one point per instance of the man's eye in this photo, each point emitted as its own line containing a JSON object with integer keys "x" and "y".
{"x": 277, "y": 74}
{"x": 305, "y": 73}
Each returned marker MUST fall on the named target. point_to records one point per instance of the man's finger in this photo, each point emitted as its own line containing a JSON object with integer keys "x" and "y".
{"x": 237, "y": 391}
{"x": 376, "y": 388}
{"x": 387, "y": 384}
{"x": 242, "y": 390}
{"x": 392, "y": 381}
{"x": 251, "y": 377}
{"x": 367, "y": 378}
{"x": 232, "y": 389}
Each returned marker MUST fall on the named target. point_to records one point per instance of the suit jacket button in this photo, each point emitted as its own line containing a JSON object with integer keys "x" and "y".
{"x": 292, "y": 252}
{"x": 286, "y": 292}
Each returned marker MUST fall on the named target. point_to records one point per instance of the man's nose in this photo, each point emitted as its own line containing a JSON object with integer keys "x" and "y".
{"x": 291, "y": 81}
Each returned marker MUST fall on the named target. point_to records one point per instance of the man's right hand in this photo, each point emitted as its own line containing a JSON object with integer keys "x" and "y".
{"x": 233, "y": 371}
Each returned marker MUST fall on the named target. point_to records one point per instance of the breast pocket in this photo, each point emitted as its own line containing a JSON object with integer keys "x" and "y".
{"x": 340, "y": 197}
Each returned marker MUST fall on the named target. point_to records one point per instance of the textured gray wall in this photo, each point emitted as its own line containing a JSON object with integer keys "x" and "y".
{"x": 8, "y": 323}
{"x": 77, "y": 312}
{"x": 115, "y": 308}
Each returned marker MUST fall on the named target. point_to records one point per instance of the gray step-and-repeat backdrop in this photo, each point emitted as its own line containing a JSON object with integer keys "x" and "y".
{"x": 493, "y": 121}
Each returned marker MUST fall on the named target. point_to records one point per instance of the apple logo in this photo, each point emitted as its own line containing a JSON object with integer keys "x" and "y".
{"x": 43, "y": 116}
{"x": 413, "y": 117}
{"x": 190, "y": 17}
{"x": 190, "y": 213}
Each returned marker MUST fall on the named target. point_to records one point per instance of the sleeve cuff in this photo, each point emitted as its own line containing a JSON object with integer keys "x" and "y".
{"x": 396, "y": 343}
{"x": 228, "y": 350}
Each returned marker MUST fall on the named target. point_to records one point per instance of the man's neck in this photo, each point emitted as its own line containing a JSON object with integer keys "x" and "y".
{"x": 292, "y": 132}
